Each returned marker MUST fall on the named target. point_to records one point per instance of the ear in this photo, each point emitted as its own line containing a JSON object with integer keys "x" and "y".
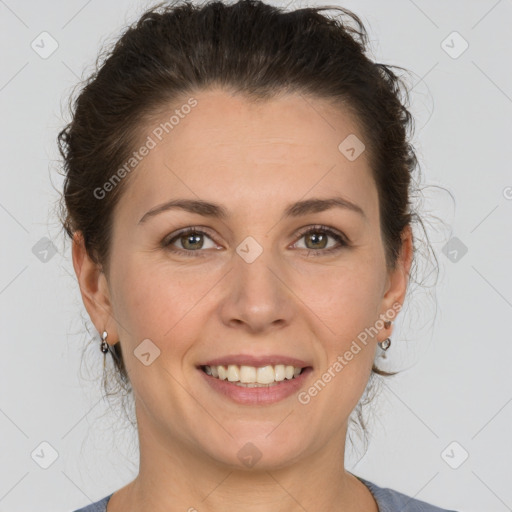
{"x": 397, "y": 281}
{"x": 94, "y": 289}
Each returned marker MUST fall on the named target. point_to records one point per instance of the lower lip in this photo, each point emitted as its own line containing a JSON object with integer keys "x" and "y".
{"x": 258, "y": 396}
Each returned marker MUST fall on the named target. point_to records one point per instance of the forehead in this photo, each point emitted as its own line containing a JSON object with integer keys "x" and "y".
{"x": 235, "y": 150}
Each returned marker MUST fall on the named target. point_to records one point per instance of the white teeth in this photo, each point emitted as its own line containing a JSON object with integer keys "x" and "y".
{"x": 222, "y": 371}
{"x": 280, "y": 373}
{"x": 265, "y": 375}
{"x": 248, "y": 375}
{"x": 233, "y": 373}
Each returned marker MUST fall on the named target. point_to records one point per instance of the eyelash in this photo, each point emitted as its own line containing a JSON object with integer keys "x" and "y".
{"x": 342, "y": 241}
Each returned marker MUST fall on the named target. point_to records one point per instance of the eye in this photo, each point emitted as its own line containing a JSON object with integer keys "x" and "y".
{"x": 190, "y": 240}
{"x": 317, "y": 239}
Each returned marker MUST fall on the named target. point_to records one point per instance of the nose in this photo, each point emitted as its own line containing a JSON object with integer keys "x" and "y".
{"x": 257, "y": 297}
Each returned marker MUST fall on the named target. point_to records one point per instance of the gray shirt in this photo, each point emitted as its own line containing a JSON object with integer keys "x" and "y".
{"x": 388, "y": 500}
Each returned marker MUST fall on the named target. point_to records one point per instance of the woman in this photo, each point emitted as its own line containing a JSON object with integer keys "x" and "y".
{"x": 237, "y": 193}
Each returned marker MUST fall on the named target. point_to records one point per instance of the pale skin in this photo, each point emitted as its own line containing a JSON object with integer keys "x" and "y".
{"x": 254, "y": 160}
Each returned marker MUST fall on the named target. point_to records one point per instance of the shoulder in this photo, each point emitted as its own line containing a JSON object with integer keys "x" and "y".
{"x": 390, "y": 500}
{"x": 97, "y": 506}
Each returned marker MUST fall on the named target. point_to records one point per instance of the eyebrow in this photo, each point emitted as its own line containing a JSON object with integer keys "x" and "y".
{"x": 209, "y": 209}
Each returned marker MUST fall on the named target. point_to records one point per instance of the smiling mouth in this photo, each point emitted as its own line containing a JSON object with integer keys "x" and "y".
{"x": 252, "y": 376}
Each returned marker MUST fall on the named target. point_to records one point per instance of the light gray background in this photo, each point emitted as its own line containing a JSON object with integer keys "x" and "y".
{"x": 455, "y": 346}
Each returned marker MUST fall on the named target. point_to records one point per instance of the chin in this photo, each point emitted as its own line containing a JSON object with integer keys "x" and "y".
{"x": 261, "y": 452}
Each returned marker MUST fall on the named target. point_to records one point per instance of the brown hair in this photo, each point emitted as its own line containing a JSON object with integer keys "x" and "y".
{"x": 248, "y": 47}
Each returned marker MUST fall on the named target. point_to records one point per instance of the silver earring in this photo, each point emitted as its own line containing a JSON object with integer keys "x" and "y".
{"x": 104, "y": 344}
{"x": 384, "y": 345}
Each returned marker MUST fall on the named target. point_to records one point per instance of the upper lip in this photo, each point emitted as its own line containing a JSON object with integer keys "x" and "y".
{"x": 251, "y": 360}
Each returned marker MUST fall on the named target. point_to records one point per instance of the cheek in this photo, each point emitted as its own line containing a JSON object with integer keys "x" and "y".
{"x": 156, "y": 300}
{"x": 347, "y": 301}
{"x": 348, "y": 296}
{"x": 350, "y": 309}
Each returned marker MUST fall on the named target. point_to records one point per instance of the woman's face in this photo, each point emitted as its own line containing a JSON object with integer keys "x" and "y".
{"x": 250, "y": 283}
